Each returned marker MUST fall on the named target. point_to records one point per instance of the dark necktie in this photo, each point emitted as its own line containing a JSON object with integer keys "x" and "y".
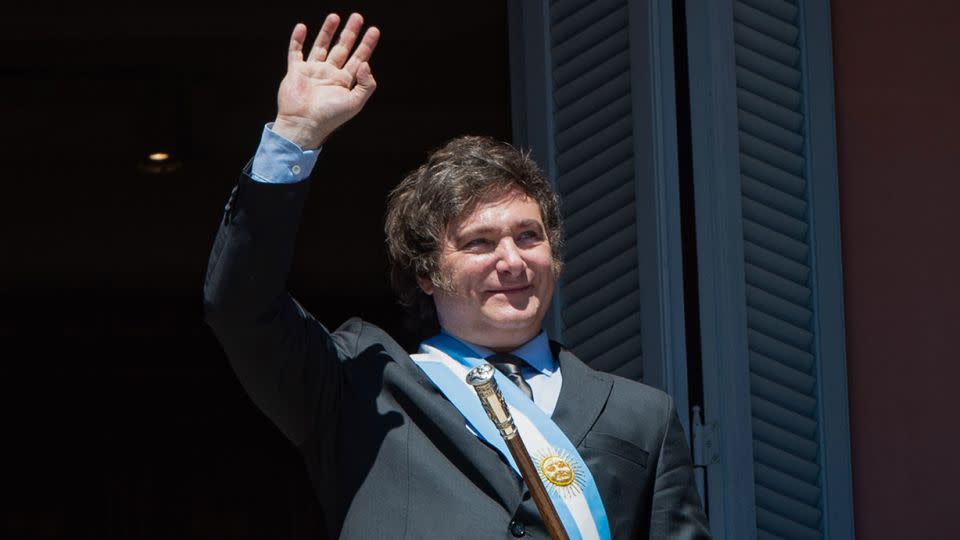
{"x": 509, "y": 365}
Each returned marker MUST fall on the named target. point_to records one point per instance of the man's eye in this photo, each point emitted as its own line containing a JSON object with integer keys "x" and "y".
{"x": 529, "y": 236}
{"x": 477, "y": 243}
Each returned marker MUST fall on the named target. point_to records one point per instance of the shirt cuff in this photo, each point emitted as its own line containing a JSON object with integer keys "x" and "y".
{"x": 280, "y": 161}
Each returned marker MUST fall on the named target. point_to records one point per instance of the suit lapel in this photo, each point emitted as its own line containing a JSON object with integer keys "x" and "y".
{"x": 583, "y": 395}
{"x": 492, "y": 472}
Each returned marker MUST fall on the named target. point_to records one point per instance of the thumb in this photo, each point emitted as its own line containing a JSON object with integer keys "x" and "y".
{"x": 365, "y": 83}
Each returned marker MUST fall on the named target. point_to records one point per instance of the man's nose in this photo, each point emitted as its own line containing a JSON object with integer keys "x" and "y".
{"x": 509, "y": 259}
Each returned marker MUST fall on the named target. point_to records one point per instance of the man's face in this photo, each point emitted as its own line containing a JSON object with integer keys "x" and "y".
{"x": 497, "y": 273}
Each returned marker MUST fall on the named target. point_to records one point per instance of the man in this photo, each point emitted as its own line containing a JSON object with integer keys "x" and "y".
{"x": 393, "y": 446}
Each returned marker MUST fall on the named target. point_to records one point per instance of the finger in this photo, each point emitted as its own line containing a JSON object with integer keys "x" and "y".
{"x": 348, "y": 36}
{"x": 295, "y": 50}
{"x": 364, "y": 50}
{"x": 321, "y": 46}
{"x": 365, "y": 84}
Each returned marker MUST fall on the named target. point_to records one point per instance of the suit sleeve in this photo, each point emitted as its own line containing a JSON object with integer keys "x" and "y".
{"x": 676, "y": 509}
{"x": 286, "y": 360}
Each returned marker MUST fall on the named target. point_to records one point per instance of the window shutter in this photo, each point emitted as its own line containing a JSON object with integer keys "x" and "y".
{"x": 590, "y": 61}
{"x": 777, "y": 271}
{"x": 594, "y": 101}
{"x": 778, "y": 258}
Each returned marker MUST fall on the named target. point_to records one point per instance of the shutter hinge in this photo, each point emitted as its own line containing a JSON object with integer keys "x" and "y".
{"x": 706, "y": 451}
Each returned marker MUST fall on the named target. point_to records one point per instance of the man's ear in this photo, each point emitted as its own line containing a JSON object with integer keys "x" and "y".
{"x": 425, "y": 285}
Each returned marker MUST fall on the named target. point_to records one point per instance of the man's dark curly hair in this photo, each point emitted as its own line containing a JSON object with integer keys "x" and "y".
{"x": 455, "y": 179}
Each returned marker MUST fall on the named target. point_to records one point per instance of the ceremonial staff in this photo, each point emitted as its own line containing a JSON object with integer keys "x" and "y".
{"x": 481, "y": 378}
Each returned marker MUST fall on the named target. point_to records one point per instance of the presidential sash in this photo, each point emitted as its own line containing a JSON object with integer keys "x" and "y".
{"x": 568, "y": 480}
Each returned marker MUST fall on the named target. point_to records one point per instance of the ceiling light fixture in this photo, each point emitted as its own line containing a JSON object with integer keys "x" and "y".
{"x": 160, "y": 163}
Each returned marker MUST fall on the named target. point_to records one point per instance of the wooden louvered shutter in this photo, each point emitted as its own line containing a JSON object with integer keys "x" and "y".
{"x": 769, "y": 266}
{"x": 600, "y": 298}
{"x": 594, "y": 101}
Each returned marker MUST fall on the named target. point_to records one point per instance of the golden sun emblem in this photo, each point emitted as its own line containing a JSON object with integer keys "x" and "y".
{"x": 559, "y": 472}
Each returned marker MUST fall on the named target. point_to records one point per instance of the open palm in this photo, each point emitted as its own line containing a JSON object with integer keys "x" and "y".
{"x": 320, "y": 93}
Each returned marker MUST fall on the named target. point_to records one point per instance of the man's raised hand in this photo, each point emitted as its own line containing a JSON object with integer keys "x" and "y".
{"x": 320, "y": 93}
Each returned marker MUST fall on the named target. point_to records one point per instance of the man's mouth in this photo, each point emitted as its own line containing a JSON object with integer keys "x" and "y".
{"x": 511, "y": 290}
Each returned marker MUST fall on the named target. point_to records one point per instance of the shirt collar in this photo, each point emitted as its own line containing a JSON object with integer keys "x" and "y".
{"x": 535, "y": 352}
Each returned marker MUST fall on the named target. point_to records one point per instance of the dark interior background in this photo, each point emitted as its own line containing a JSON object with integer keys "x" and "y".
{"x": 121, "y": 416}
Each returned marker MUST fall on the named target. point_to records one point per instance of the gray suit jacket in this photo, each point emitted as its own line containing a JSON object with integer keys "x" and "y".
{"x": 389, "y": 456}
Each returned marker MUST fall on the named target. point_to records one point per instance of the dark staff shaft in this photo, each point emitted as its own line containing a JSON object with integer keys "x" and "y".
{"x": 539, "y": 493}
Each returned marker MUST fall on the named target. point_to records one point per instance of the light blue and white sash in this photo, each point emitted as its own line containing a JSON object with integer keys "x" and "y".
{"x": 567, "y": 479}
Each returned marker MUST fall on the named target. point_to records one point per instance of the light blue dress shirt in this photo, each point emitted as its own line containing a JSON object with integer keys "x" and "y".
{"x": 540, "y": 371}
{"x": 280, "y": 161}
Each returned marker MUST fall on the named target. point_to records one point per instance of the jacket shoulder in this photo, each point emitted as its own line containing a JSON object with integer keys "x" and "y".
{"x": 631, "y": 399}
{"x": 629, "y": 390}
{"x": 357, "y": 336}
{"x": 642, "y": 395}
